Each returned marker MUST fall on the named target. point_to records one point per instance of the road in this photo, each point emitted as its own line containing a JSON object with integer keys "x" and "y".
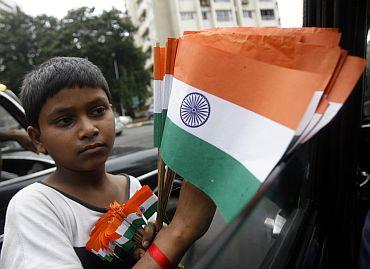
{"x": 141, "y": 136}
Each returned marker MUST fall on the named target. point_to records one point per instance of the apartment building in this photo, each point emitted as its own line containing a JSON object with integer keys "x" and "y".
{"x": 7, "y": 5}
{"x": 159, "y": 19}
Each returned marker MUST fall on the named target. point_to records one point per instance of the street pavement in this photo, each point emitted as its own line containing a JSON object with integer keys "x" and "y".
{"x": 136, "y": 135}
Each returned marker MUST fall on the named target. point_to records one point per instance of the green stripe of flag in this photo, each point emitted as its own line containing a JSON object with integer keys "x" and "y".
{"x": 126, "y": 246}
{"x": 150, "y": 211}
{"x": 164, "y": 117}
{"x": 157, "y": 129}
{"x": 209, "y": 168}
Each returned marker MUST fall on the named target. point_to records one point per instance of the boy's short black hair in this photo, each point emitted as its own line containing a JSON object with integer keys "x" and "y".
{"x": 55, "y": 75}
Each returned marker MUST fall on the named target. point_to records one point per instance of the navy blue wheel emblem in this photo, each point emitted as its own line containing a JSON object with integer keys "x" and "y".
{"x": 194, "y": 110}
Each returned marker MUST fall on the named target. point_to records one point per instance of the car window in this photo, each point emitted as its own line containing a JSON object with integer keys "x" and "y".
{"x": 7, "y": 123}
{"x": 366, "y": 110}
{"x": 270, "y": 223}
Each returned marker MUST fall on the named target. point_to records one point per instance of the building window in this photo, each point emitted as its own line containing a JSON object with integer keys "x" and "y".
{"x": 205, "y": 3}
{"x": 221, "y": 1}
{"x": 224, "y": 15}
{"x": 267, "y": 14}
{"x": 245, "y": 2}
{"x": 145, "y": 34}
{"x": 247, "y": 13}
{"x": 205, "y": 15}
{"x": 142, "y": 16}
{"x": 185, "y": 16}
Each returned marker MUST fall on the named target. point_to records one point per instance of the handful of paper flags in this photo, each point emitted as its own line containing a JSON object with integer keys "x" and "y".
{"x": 120, "y": 229}
{"x": 229, "y": 103}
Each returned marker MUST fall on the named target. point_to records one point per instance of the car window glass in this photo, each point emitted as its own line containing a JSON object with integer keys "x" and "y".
{"x": 366, "y": 111}
{"x": 273, "y": 219}
{"x": 7, "y": 123}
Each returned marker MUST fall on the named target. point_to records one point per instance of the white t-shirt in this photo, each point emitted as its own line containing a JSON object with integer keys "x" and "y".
{"x": 46, "y": 228}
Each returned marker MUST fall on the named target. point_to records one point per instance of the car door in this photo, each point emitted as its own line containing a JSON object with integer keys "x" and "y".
{"x": 20, "y": 167}
{"x": 307, "y": 213}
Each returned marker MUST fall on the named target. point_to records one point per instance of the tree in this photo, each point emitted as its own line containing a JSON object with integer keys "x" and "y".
{"x": 106, "y": 40}
{"x": 17, "y": 47}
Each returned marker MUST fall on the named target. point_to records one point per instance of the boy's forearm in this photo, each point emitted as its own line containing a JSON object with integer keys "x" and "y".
{"x": 7, "y": 135}
{"x": 193, "y": 216}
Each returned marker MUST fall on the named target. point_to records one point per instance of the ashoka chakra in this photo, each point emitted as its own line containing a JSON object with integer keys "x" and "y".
{"x": 194, "y": 110}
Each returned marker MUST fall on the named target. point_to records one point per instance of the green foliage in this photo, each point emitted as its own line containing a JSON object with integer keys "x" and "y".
{"x": 106, "y": 40}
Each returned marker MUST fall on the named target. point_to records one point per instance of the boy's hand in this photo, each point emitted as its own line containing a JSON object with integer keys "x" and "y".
{"x": 21, "y": 137}
{"x": 150, "y": 231}
{"x": 192, "y": 219}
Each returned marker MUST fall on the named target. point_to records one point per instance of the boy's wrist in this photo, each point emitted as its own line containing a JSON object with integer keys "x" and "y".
{"x": 173, "y": 242}
{"x": 159, "y": 257}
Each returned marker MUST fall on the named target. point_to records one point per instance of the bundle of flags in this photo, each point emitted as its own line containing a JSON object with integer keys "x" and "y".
{"x": 120, "y": 229}
{"x": 241, "y": 99}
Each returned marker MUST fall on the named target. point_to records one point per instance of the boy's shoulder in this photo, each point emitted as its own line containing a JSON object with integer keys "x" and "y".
{"x": 132, "y": 182}
{"x": 33, "y": 196}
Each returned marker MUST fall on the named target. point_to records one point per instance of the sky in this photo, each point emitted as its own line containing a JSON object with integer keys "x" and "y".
{"x": 290, "y": 10}
{"x": 60, "y": 8}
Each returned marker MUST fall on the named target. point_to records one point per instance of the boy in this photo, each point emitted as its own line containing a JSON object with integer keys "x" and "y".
{"x": 67, "y": 104}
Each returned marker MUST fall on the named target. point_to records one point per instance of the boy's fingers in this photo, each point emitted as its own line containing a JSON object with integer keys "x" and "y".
{"x": 149, "y": 233}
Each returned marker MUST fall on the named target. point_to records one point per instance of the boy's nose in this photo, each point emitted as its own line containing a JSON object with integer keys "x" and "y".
{"x": 87, "y": 129}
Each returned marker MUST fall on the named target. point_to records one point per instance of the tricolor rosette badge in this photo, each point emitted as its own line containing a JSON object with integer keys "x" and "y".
{"x": 120, "y": 229}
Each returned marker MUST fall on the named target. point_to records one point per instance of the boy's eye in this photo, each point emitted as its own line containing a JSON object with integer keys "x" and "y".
{"x": 64, "y": 121}
{"x": 98, "y": 111}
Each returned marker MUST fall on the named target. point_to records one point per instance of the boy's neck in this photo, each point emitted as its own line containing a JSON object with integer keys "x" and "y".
{"x": 95, "y": 178}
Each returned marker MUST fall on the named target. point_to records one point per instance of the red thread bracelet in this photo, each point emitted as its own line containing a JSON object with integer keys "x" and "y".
{"x": 160, "y": 258}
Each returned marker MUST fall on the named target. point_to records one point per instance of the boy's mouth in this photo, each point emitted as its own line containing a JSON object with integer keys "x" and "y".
{"x": 91, "y": 146}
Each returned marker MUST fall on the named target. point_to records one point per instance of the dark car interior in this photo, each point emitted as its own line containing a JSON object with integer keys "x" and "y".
{"x": 19, "y": 167}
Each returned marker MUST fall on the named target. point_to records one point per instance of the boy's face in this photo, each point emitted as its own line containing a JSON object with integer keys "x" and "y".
{"x": 76, "y": 128}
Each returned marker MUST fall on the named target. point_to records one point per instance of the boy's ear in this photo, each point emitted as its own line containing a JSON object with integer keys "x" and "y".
{"x": 34, "y": 133}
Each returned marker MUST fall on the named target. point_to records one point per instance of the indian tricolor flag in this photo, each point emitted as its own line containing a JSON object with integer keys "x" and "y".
{"x": 126, "y": 234}
{"x": 158, "y": 73}
{"x": 145, "y": 200}
{"x": 346, "y": 80}
{"x": 324, "y": 103}
{"x": 230, "y": 120}
{"x": 171, "y": 48}
{"x": 283, "y": 51}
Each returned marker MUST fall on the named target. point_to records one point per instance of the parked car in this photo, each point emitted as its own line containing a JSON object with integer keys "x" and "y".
{"x": 118, "y": 126}
{"x": 22, "y": 167}
{"x": 125, "y": 119}
{"x": 150, "y": 112}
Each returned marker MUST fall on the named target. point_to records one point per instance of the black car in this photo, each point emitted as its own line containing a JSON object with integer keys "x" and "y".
{"x": 22, "y": 167}
{"x": 310, "y": 211}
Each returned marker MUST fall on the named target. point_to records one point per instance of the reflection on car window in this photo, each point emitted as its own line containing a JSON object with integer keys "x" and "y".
{"x": 7, "y": 122}
{"x": 265, "y": 228}
{"x": 367, "y": 79}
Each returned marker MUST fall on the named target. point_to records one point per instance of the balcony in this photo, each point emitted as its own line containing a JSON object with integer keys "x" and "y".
{"x": 141, "y": 8}
{"x": 143, "y": 27}
{"x": 205, "y": 3}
